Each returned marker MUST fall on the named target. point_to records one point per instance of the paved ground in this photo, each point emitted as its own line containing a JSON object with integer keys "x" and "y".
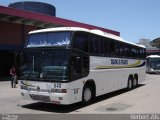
{"x": 142, "y": 100}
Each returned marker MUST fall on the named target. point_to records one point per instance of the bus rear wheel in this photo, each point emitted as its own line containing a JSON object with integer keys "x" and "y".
{"x": 130, "y": 84}
{"x": 87, "y": 95}
{"x": 135, "y": 82}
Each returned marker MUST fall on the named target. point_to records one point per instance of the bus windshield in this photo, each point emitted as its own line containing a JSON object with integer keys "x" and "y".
{"x": 49, "y": 39}
{"x": 51, "y": 64}
{"x": 155, "y": 63}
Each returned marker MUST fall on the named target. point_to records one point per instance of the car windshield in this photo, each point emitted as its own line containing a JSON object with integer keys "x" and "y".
{"x": 155, "y": 63}
{"x": 41, "y": 64}
{"x": 49, "y": 39}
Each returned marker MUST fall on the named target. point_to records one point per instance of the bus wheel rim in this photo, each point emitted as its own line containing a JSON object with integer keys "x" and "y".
{"x": 87, "y": 94}
{"x": 130, "y": 84}
{"x": 135, "y": 82}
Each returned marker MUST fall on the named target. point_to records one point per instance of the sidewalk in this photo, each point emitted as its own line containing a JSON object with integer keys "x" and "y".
{"x": 5, "y": 79}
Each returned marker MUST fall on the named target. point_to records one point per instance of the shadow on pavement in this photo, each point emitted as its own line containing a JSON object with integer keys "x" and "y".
{"x": 48, "y": 107}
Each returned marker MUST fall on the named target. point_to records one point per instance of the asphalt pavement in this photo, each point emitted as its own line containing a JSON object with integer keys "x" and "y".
{"x": 142, "y": 100}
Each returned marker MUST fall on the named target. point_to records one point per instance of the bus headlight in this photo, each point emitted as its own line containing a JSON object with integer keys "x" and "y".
{"x": 58, "y": 90}
{"x": 151, "y": 69}
{"x": 24, "y": 87}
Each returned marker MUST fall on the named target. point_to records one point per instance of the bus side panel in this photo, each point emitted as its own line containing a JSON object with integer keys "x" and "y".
{"x": 111, "y": 74}
{"x": 141, "y": 74}
{"x": 76, "y": 88}
{"x": 109, "y": 80}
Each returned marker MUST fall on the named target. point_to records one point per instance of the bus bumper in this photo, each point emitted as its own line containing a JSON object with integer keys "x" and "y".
{"x": 54, "y": 98}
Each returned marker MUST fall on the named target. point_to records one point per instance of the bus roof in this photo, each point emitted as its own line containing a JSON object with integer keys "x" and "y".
{"x": 97, "y": 32}
{"x": 153, "y": 56}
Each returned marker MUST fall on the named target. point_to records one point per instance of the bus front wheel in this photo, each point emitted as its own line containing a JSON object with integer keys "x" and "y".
{"x": 87, "y": 95}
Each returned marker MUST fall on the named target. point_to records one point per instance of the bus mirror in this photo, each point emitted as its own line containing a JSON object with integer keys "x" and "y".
{"x": 78, "y": 58}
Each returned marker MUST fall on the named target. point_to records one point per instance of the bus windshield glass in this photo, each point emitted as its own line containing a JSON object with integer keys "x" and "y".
{"x": 49, "y": 39}
{"x": 155, "y": 63}
{"x": 45, "y": 64}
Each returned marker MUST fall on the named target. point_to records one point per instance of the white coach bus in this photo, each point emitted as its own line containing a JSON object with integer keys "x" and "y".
{"x": 69, "y": 64}
{"x": 153, "y": 64}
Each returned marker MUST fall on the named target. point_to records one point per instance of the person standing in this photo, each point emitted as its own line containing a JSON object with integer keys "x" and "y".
{"x": 14, "y": 76}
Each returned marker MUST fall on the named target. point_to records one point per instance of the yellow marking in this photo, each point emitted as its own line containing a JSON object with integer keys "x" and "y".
{"x": 26, "y": 82}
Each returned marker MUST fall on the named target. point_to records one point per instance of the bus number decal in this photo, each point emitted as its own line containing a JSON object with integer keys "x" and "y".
{"x": 76, "y": 90}
{"x": 57, "y": 85}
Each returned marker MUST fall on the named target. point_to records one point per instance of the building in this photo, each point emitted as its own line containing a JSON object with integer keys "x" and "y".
{"x": 15, "y": 25}
{"x": 152, "y": 47}
{"x": 145, "y": 42}
{"x": 156, "y": 44}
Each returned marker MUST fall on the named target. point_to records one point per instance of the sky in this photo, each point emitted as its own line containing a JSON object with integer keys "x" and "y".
{"x": 134, "y": 19}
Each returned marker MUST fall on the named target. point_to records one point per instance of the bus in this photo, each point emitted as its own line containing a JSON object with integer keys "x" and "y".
{"x": 153, "y": 64}
{"x": 66, "y": 65}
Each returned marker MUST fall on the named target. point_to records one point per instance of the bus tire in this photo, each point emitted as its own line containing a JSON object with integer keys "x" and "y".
{"x": 135, "y": 82}
{"x": 87, "y": 95}
{"x": 130, "y": 84}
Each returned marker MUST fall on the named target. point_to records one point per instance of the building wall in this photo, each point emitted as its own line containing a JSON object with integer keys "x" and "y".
{"x": 12, "y": 38}
{"x": 12, "y": 34}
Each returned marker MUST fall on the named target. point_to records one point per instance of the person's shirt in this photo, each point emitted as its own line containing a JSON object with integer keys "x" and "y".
{"x": 13, "y": 71}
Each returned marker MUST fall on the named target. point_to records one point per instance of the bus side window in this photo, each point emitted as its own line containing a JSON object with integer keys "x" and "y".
{"x": 119, "y": 49}
{"x": 96, "y": 45}
{"x": 112, "y": 48}
{"x": 109, "y": 47}
{"x": 81, "y": 41}
{"x": 106, "y": 46}
{"x": 138, "y": 53}
{"x": 127, "y": 51}
{"x": 141, "y": 53}
{"x": 134, "y": 52}
{"x": 144, "y": 53}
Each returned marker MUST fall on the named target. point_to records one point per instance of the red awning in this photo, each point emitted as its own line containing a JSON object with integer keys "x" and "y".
{"x": 44, "y": 21}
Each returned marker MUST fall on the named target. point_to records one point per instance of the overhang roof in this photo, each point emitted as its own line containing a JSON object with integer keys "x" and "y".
{"x": 41, "y": 20}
